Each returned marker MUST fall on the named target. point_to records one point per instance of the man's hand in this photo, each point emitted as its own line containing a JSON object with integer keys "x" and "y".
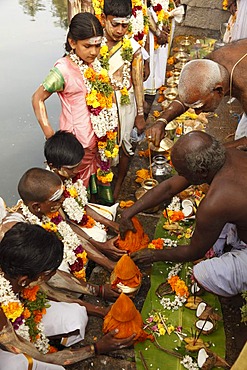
{"x": 109, "y": 343}
{"x": 156, "y": 132}
{"x": 163, "y": 36}
{"x": 140, "y": 123}
{"x": 125, "y": 225}
{"x": 109, "y": 293}
{"x": 111, "y": 251}
{"x": 144, "y": 257}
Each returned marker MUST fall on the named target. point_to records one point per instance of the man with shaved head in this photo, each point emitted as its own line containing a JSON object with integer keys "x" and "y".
{"x": 220, "y": 219}
{"x": 202, "y": 85}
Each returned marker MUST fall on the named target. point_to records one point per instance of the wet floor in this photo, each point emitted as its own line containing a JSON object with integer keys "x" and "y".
{"x": 32, "y": 38}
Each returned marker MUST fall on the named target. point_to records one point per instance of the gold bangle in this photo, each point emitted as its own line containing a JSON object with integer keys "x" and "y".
{"x": 162, "y": 120}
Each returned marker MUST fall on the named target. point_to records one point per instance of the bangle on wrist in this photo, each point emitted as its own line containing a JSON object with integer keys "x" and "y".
{"x": 157, "y": 32}
{"x": 179, "y": 102}
{"x": 162, "y": 120}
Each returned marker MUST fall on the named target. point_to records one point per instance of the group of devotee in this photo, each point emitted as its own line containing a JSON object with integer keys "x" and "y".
{"x": 46, "y": 239}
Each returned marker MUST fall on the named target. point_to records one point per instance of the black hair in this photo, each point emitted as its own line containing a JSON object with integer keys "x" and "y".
{"x": 29, "y": 250}
{"x": 63, "y": 149}
{"x": 82, "y": 27}
{"x": 118, "y": 8}
{"x": 36, "y": 183}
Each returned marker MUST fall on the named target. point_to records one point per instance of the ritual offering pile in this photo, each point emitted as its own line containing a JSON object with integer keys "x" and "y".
{"x": 133, "y": 242}
{"x": 124, "y": 316}
{"x": 126, "y": 275}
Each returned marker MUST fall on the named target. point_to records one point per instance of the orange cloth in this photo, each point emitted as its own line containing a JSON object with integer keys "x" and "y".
{"x": 127, "y": 319}
{"x": 134, "y": 241}
{"x": 126, "y": 272}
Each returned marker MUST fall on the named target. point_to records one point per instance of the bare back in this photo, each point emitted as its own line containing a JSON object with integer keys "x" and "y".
{"x": 228, "y": 56}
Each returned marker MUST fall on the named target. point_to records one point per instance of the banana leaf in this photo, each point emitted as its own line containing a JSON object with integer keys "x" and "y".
{"x": 147, "y": 355}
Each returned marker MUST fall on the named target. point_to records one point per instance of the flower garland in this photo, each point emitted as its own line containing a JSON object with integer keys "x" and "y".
{"x": 74, "y": 254}
{"x": 103, "y": 113}
{"x": 26, "y": 316}
{"x": 98, "y": 6}
{"x": 127, "y": 56}
{"x": 139, "y": 23}
{"x": 75, "y": 194}
{"x": 178, "y": 286}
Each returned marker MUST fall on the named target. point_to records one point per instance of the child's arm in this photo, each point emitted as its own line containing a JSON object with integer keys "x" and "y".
{"x": 38, "y": 101}
{"x": 137, "y": 78}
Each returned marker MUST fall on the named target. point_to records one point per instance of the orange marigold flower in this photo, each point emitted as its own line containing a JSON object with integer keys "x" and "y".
{"x": 90, "y": 74}
{"x": 26, "y": 313}
{"x": 52, "y": 349}
{"x": 90, "y": 222}
{"x": 144, "y": 153}
{"x": 30, "y": 293}
{"x": 111, "y": 135}
{"x": 173, "y": 281}
{"x": 160, "y": 99}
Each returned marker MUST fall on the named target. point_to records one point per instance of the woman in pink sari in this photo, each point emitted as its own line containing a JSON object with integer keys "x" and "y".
{"x": 67, "y": 79}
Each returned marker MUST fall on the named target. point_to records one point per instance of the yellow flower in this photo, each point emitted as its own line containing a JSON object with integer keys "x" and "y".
{"x": 126, "y": 43}
{"x": 12, "y": 310}
{"x": 80, "y": 274}
{"x": 103, "y": 50}
{"x": 102, "y": 144}
{"x": 92, "y": 99}
{"x": 115, "y": 151}
{"x": 161, "y": 15}
{"x": 90, "y": 74}
{"x": 124, "y": 91}
{"x": 83, "y": 256}
{"x": 162, "y": 330}
{"x": 111, "y": 135}
{"x": 170, "y": 329}
{"x": 108, "y": 153}
{"x": 50, "y": 226}
{"x": 73, "y": 192}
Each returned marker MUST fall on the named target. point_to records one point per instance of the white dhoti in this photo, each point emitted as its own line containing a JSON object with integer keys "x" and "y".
{"x": 127, "y": 115}
{"x": 225, "y": 275}
{"x": 237, "y": 25}
{"x": 241, "y": 128}
{"x": 60, "y": 318}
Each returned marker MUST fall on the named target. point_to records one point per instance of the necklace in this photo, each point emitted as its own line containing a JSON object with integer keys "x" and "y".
{"x": 231, "y": 76}
{"x": 103, "y": 113}
{"x": 127, "y": 56}
{"x": 139, "y": 24}
{"x": 74, "y": 254}
{"x": 25, "y": 316}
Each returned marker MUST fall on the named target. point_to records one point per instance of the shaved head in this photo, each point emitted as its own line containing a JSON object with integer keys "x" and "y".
{"x": 196, "y": 154}
{"x": 197, "y": 79}
{"x": 37, "y": 184}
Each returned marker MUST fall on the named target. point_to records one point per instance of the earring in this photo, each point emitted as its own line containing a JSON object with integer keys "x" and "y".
{"x": 23, "y": 283}
{"x": 38, "y": 209}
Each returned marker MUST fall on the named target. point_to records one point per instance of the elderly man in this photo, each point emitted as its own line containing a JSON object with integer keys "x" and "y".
{"x": 202, "y": 85}
{"x": 199, "y": 158}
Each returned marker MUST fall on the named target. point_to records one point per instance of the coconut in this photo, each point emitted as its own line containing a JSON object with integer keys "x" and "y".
{"x": 187, "y": 211}
{"x": 200, "y": 309}
{"x": 204, "y": 311}
{"x": 202, "y": 357}
{"x": 205, "y": 326}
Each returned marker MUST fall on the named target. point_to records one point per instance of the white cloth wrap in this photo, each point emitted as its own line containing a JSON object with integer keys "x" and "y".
{"x": 225, "y": 275}
{"x": 241, "y": 128}
{"x": 60, "y": 318}
{"x": 157, "y": 61}
{"x": 237, "y": 29}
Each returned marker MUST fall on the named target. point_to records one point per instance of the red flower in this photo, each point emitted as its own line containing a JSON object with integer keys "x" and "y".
{"x": 157, "y": 8}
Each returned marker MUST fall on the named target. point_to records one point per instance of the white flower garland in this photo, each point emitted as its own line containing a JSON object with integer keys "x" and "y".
{"x": 69, "y": 238}
{"x": 175, "y": 204}
{"x": 125, "y": 73}
{"x": 74, "y": 206}
{"x": 178, "y": 300}
{"x": 7, "y": 296}
{"x": 107, "y": 119}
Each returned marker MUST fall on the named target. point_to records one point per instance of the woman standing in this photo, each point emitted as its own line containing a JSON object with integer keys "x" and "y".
{"x": 86, "y": 99}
